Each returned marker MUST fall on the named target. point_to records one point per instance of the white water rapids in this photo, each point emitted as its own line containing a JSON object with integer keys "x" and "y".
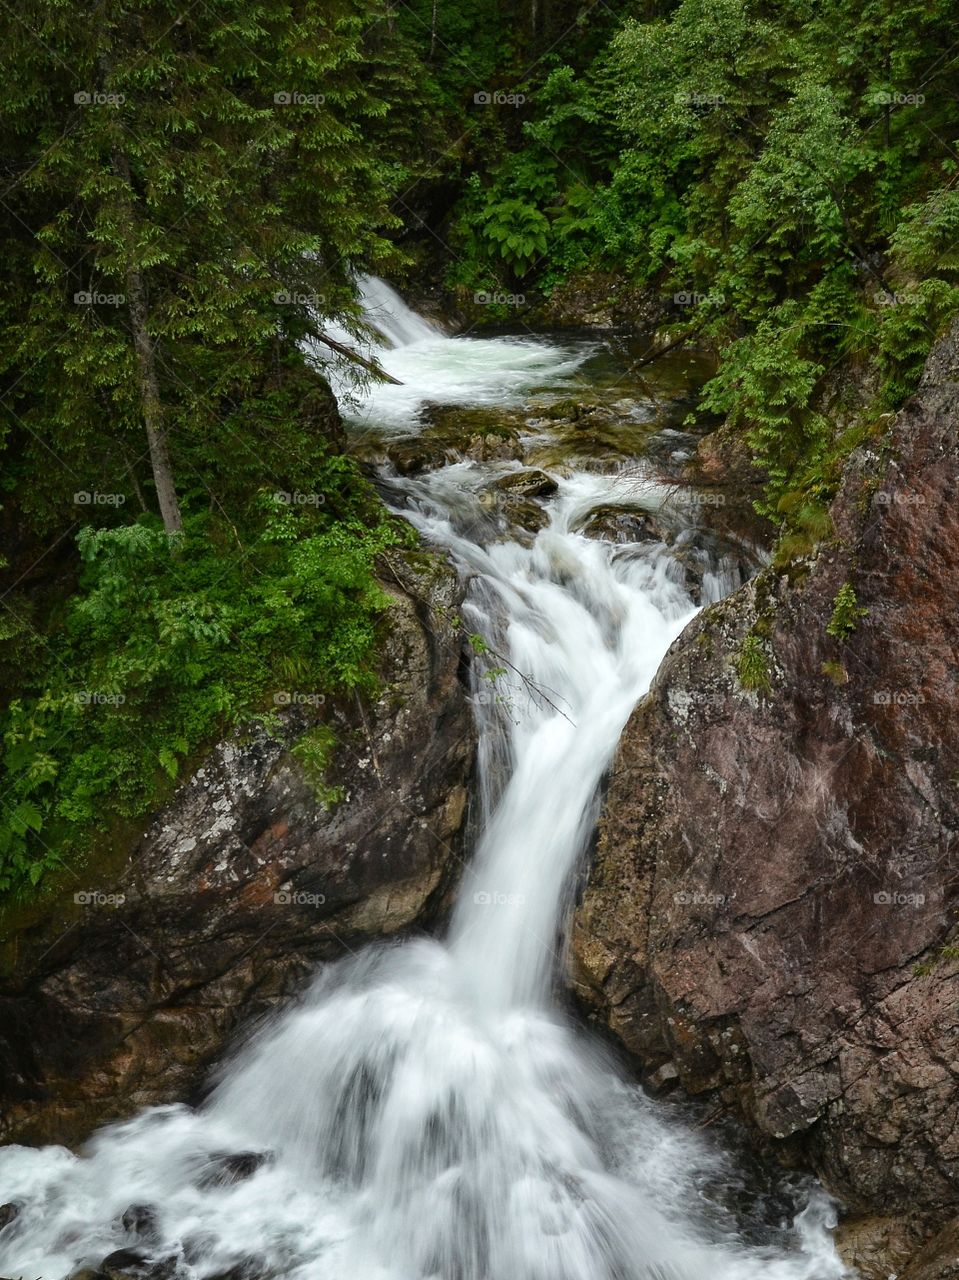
{"x": 428, "y": 1110}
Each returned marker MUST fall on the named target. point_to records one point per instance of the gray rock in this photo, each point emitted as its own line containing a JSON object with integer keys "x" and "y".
{"x": 226, "y": 1169}
{"x": 135, "y": 1264}
{"x": 245, "y": 881}
{"x": 531, "y": 483}
{"x": 140, "y": 1220}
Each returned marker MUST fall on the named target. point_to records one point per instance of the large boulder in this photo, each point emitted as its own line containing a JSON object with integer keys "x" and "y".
{"x": 771, "y": 916}
{"x": 122, "y": 990}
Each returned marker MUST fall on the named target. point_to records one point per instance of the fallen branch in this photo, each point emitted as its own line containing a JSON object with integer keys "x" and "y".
{"x": 370, "y": 365}
{"x": 661, "y": 351}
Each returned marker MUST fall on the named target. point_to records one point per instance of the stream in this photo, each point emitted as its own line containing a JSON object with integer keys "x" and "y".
{"x": 429, "y": 1110}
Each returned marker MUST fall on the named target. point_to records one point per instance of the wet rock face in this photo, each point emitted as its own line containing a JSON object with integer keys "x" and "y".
{"x": 601, "y": 299}
{"x": 772, "y": 914}
{"x": 939, "y": 1257}
{"x": 243, "y": 883}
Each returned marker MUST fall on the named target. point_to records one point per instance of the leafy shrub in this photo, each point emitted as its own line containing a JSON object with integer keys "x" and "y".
{"x": 162, "y": 647}
{"x": 846, "y": 613}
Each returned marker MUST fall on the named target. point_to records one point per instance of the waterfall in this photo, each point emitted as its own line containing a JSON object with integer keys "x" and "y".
{"x": 436, "y": 369}
{"x": 427, "y": 1110}
{"x": 389, "y": 315}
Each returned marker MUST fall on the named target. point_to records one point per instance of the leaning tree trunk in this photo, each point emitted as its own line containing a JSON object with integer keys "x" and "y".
{"x": 152, "y": 405}
{"x": 148, "y": 383}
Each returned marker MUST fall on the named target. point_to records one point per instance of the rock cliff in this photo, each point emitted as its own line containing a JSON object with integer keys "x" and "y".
{"x": 771, "y": 917}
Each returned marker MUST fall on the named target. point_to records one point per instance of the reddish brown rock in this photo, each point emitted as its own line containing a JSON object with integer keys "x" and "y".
{"x": 772, "y": 914}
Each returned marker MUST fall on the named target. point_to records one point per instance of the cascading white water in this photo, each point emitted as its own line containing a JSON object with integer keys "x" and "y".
{"x": 432, "y": 367}
{"x": 428, "y": 1113}
{"x": 389, "y": 315}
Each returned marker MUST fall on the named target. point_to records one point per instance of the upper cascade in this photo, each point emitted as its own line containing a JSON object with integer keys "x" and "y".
{"x": 388, "y": 314}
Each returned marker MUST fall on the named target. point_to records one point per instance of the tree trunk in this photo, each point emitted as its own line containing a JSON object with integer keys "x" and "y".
{"x": 152, "y": 406}
{"x": 148, "y": 382}
{"x": 343, "y": 350}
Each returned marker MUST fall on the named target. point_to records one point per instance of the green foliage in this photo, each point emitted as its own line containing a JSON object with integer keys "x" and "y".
{"x": 846, "y": 613}
{"x": 517, "y": 231}
{"x": 314, "y": 751}
{"x": 231, "y": 168}
{"x": 766, "y": 386}
{"x": 162, "y": 647}
{"x": 229, "y": 160}
{"x": 793, "y": 164}
{"x": 752, "y": 665}
{"x": 946, "y": 954}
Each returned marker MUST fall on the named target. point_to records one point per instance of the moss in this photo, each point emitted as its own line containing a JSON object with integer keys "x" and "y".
{"x": 836, "y": 672}
{"x": 764, "y": 592}
{"x": 563, "y": 409}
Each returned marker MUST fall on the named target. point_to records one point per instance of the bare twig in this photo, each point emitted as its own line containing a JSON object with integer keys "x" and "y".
{"x": 532, "y": 685}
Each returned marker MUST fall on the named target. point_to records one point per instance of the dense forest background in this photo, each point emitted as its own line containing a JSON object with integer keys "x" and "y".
{"x": 185, "y": 189}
